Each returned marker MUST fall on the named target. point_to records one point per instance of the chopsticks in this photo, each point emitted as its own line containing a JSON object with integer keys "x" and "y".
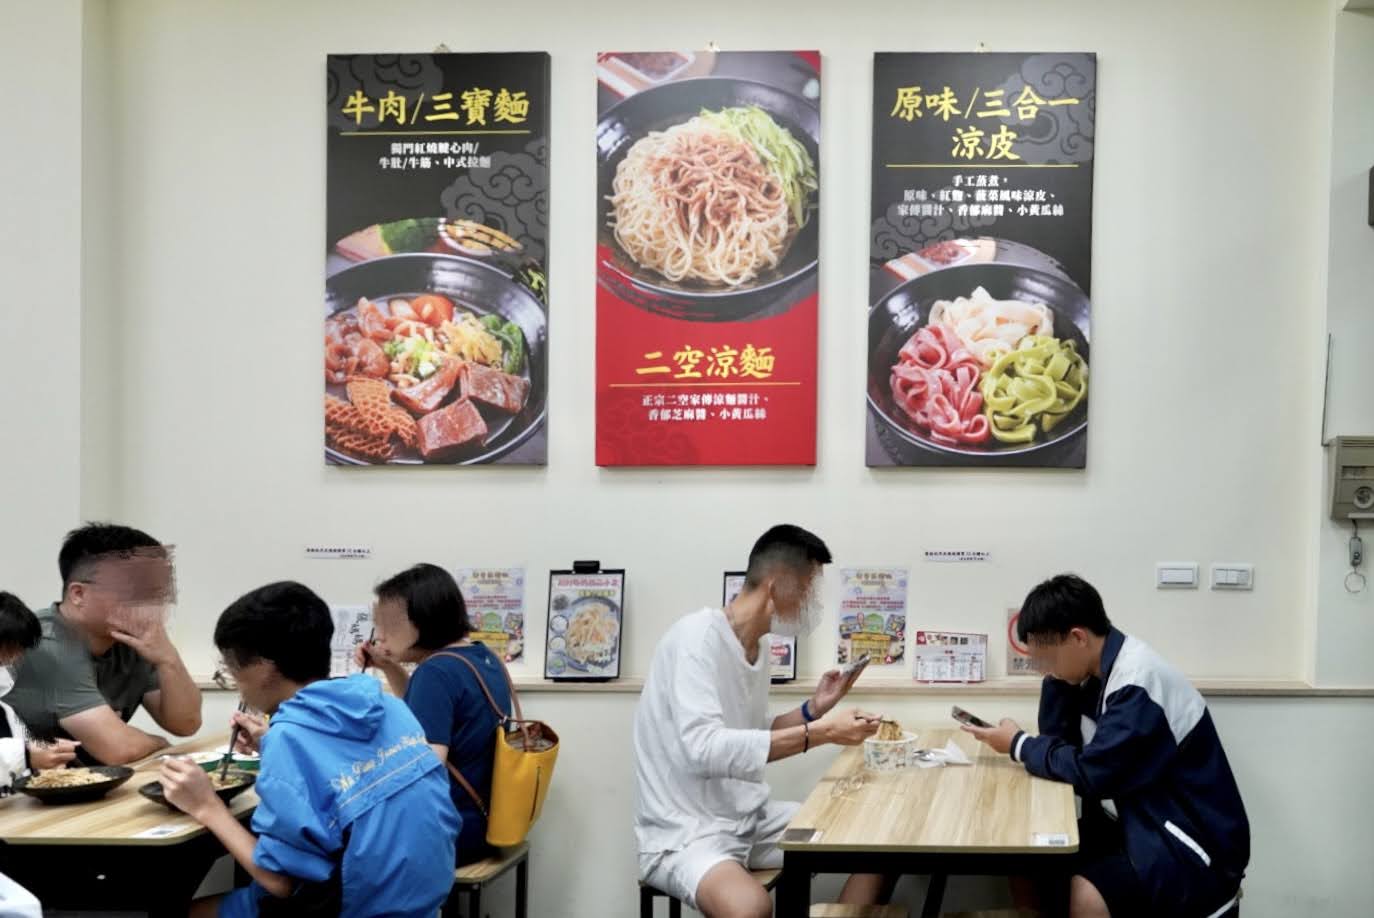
{"x": 367, "y": 654}
{"x": 229, "y": 750}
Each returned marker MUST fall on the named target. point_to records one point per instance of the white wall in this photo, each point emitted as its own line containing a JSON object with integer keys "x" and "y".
{"x": 40, "y": 252}
{"x": 1345, "y": 625}
{"x": 220, "y": 168}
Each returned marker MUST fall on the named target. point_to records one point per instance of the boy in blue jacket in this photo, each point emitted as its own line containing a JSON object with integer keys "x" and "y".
{"x": 354, "y": 817}
{"x": 1164, "y": 830}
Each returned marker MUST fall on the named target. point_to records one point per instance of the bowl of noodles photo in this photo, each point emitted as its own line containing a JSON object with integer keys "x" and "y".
{"x": 979, "y": 361}
{"x": 73, "y": 785}
{"x": 234, "y": 782}
{"x": 710, "y": 198}
{"x": 591, "y": 639}
{"x": 431, "y": 359}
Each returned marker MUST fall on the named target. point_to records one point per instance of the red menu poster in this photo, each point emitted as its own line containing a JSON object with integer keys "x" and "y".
{"x": 707, "y": 248}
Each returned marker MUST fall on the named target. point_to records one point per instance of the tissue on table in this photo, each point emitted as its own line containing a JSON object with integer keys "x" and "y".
{"x": 951, "y": 754}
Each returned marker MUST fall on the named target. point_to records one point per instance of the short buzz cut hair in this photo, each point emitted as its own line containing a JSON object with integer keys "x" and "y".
{"x": 1057, "y": 606}
{"x": 788, "y": 546}
{"x": 87, "y": 545}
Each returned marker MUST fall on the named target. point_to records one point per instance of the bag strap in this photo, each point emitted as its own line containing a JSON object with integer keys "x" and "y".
{"x": 502, "y": 716}
{"x": 472, "y": 791}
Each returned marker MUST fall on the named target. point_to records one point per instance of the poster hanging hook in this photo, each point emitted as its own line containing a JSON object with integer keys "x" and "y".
{"x": 713, "y": 47}
{"x": 981, "y": 48}
{"x": 441, "y": 48}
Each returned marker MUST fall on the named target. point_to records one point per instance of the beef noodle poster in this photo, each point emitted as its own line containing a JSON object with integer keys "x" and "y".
{"x": 436, "y": 294}
{"x": 708, "y": 206}
{"x": 981, "y": 259}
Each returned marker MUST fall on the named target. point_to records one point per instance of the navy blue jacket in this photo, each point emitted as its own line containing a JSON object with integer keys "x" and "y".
{"x": 1140, "y": 742}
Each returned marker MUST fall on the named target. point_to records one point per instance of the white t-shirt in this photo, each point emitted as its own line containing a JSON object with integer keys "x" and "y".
{"x": 701, "y": 736}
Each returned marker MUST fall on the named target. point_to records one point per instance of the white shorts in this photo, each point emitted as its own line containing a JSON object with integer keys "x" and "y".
{"x": 679, "y": 873}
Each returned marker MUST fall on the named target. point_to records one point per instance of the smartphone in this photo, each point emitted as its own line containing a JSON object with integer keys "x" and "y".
{"x": 851, "y": 668}
{"x": 964, "y": 717}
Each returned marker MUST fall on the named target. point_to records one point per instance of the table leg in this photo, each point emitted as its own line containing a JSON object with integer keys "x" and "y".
{"x": 935, "y": 896}
{"x": 794, "y": 888}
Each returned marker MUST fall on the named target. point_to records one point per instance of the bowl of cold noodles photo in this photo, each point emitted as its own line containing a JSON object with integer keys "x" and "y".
{"x": 234, "y": 782}
{"x": 73, "y": 785}
{"x": 981, "y": 361}
{"x": 711, "y": 198}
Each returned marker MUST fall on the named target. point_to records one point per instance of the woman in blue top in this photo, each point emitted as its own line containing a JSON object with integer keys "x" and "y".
{"x": 420, "y": 618}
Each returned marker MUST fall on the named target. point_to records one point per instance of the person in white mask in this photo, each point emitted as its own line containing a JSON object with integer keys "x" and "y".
{"x": 704, "y": 816}
{"x": 20, "y": 633}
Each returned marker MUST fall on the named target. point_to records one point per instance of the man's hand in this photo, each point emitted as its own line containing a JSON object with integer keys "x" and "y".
{"x": 998, "y": 737}
{"x": 832, "y": 688}
{"x": 251, "y": 730}
{"x": 144, "y": 631}
{"x": 51, "y": 755}
{"x": 846, "y": 728}
{"x": 188, "y": 787}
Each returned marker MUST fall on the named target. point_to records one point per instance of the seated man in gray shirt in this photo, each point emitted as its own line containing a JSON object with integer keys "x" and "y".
{"x": 105, "y": 650}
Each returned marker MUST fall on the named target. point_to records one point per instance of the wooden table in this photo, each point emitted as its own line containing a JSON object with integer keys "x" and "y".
{"x": 989, "y": 818}
{"x": 122, "y": 851}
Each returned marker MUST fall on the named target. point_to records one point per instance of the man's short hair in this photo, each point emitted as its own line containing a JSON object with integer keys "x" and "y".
{"x": 433, "y": 602}
{"x": 787, "y": 546}
{"x": 87, "y": 545}
{"x": 284, "y": 623}
{"x": 20, "y": 629}
{"x": 1057, "y": 606}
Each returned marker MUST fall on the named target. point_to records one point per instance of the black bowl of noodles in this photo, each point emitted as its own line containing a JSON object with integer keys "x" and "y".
{"x": 666, "y": 273}
{"x": 236, "y": 782}
{"x": 906, "y": 310}
{"x": 73, "y": 785}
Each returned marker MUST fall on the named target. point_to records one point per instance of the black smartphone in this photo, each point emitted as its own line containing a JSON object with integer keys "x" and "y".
{"x": 964, "y": 717}
{"x": 851, "y": 668}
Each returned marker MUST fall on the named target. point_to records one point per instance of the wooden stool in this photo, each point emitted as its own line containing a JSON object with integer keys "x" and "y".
{"x": 836, "y": 910}
{"x": 647, "y": 894}
{"x": 471, "y": 878}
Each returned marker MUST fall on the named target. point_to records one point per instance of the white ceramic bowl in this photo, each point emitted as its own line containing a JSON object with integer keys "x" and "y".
{"x": 889, "y": 755}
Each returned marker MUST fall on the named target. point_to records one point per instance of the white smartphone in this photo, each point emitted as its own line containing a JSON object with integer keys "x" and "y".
{"x": 853, "y": 667}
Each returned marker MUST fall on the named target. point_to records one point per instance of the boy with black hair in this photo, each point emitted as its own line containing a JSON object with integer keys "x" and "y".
{"x": 354, "y": 816}
{"x": 702, "y": 736}
{"x": 1164, "y": 831}
{"x": 105, "y": 652}
{"x": 20, "y": 633}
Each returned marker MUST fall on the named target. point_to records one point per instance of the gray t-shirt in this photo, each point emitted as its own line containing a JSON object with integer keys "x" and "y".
{"x": 61, "y": 677}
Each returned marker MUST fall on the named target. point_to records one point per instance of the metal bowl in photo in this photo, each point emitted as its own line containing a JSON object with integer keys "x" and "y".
{"x": 903, "y": 311}
{"x": 474, "y": 287}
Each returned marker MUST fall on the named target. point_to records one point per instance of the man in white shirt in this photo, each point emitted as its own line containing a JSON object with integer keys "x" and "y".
{"x": 703, "y": 736}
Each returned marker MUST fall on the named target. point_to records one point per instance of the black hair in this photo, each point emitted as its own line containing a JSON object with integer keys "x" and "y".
{"x": 433, "y": 602}
{"x": 89, "y": 543}
{"x": 1060, "y": 604}
{"x": 19, "y": 627}
{"x": 790, "y": 546}
{"x": 284, "y": 623}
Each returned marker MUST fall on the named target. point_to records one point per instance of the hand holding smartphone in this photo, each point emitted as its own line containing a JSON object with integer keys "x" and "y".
{"x": 853, "y": 667}
{"x": 964, "y": 717}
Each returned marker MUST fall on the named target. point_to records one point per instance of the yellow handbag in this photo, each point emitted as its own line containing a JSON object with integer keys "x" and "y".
{"x": 523, "y": 767}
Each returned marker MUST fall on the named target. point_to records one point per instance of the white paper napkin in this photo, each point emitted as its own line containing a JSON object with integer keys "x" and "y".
{"x": 951, "y": 754}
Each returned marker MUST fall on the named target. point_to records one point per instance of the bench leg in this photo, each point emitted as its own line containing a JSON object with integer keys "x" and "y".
{"x": 475, "y": 902}
{"x": 646, "y": 903}
{"x": 674, "y": 908}
{"x": 935, "y": 896}
{"x": 522, "y": 888}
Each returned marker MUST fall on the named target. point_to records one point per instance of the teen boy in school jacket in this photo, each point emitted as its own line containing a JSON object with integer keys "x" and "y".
{"x": 1136, "y": 740}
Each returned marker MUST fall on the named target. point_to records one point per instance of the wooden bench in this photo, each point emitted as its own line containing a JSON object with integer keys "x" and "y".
{"x": 647, "y": 894}
{"x": 470, "y": 879}
{"x": 836, "y": 910}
